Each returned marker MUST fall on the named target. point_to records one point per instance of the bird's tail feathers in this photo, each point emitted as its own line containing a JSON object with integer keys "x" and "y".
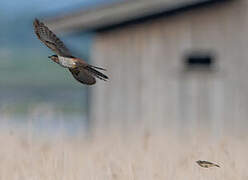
{"x": 96, "y": 73}
{"x": 98, "y": 68}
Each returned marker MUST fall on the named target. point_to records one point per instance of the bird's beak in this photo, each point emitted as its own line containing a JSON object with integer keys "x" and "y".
{"x": 49, "y": 56}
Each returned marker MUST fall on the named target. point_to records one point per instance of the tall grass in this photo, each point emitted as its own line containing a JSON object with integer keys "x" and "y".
{"x": 113, "y": 156}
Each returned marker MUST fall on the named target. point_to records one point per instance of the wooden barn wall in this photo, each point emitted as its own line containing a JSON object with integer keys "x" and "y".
{"x": 148, "y": 85}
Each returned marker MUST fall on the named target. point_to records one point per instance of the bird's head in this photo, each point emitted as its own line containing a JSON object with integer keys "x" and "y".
{"x": 55, "y": 58}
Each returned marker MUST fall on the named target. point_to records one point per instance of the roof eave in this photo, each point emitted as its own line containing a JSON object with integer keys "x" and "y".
{"x": 78, "y": 21}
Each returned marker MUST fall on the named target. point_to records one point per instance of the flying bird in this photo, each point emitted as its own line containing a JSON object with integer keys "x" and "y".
{"x": 81, "y": 71}
{"x": 206, "y": 164}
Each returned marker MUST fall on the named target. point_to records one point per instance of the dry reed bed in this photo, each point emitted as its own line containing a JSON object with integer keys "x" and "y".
{"x": 108, "y": 157}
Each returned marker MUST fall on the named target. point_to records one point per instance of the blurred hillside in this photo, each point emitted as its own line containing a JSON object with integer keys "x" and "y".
{"x": 22, "y": 52}
{"x": 29, "y": 80}
{"x": 32, "y": 87}
{"x": 27, "y": 76}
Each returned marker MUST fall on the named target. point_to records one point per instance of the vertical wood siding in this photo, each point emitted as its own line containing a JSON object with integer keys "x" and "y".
{"x": 148, "y": 85}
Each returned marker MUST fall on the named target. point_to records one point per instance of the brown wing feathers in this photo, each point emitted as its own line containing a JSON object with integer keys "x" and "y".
{"x": 96, "y": 73}
{"x": 87, "y": 75}
{"x": 84, "y": 73}
{"x": 50, "y": 39}
{"x": 83, "y": 76}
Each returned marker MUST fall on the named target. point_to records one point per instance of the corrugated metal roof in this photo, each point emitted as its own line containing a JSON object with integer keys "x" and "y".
{"x": 116, "y": 13}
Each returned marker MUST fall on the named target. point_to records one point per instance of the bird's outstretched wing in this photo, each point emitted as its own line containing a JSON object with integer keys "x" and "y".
{"x": 86, "y": 74}
{"x": 50, "y": 39}
{"x": 83, "y": 76}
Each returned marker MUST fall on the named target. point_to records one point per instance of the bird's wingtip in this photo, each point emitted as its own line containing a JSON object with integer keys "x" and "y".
{"x": 36, "y": 21}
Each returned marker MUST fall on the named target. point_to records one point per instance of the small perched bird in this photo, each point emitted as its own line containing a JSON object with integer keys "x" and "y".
{"x": 81, "y": 71}
{"x": 206, "y": 164}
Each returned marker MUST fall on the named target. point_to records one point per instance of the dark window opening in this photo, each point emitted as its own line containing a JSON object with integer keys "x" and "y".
{"x": 199, "y": 60}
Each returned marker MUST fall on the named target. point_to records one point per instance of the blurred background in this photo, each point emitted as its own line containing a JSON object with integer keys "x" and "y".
{"x": 177, "y": 91}
{"x": 174, "y": 65}
{"x": 33, "y": 88}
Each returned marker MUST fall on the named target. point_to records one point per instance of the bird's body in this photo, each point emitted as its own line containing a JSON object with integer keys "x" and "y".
{"x": 206, "y": 164}
{"x": 81, "y": 71}
{"x": 67, "y": 62}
